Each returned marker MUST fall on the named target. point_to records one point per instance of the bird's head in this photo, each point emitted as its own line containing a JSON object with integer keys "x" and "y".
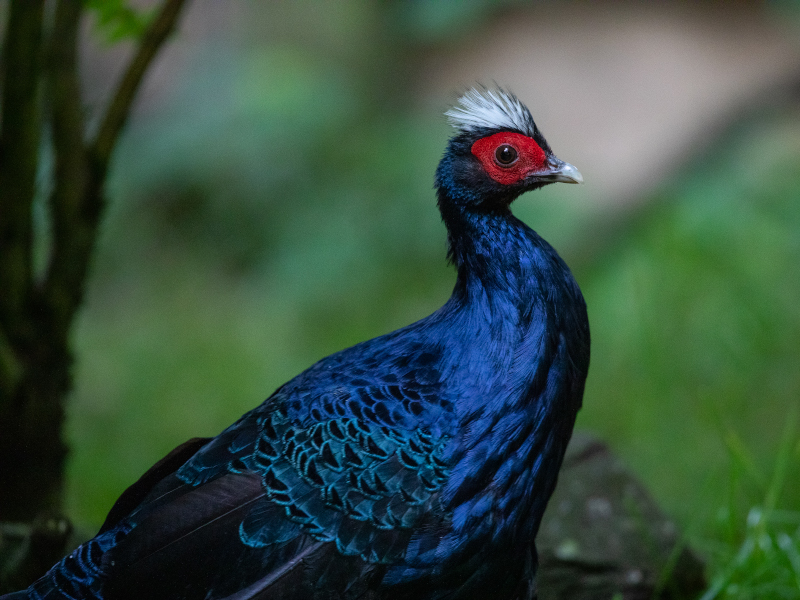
{"x": 497, "y": 153}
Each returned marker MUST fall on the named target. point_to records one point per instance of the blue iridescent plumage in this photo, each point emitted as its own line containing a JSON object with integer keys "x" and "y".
{"x": 414, "y": 465}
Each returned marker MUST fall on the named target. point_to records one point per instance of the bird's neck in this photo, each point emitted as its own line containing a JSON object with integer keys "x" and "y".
{"x": 494, "y": 253}
{"x": 505, "y": 272}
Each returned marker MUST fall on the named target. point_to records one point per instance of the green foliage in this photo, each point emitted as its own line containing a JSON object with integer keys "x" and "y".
{"x": 116, "y": 20}
{"x": 767, "y": 563}
{"x": 696, "y": 334}
{"x": 764, "y": 560}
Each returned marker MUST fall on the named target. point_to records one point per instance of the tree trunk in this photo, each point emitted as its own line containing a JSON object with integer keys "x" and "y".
{"x": 30, "y": 430}
{"x": 37, "y": 310}
{"x": 32, "y": 451}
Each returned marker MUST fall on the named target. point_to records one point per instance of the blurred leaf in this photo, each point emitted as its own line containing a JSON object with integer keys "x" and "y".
{"x": 435, "y": 20}
{"x": 116, "y": 20}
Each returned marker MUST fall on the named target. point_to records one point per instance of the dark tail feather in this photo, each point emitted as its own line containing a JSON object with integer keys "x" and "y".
{"x": 268, "y": 581}
{"x": 135, "y": 494}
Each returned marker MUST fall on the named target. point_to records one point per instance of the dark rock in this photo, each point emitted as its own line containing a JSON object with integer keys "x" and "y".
{"x": 604, "y": 537}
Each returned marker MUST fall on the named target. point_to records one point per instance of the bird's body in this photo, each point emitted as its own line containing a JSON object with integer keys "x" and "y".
{"x": 414, "y": 465}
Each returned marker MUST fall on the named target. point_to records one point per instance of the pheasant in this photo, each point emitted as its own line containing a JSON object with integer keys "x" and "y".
{"x": 414, "y": 465}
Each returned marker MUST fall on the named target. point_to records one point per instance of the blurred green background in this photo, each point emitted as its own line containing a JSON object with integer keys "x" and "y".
{"x": 272, "y": 203}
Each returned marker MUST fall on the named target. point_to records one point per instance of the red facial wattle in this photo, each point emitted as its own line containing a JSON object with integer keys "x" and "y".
{"x": 530, "y": 156}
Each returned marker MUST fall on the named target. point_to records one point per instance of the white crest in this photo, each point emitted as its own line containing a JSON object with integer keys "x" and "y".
{"x": 491, "y": 109}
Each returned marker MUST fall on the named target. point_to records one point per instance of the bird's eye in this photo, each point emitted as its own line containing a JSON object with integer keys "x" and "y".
{"x": 505, "y": 155}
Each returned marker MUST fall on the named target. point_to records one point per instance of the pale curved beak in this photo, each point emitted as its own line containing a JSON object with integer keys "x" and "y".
{"x": 560, "y": 171}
